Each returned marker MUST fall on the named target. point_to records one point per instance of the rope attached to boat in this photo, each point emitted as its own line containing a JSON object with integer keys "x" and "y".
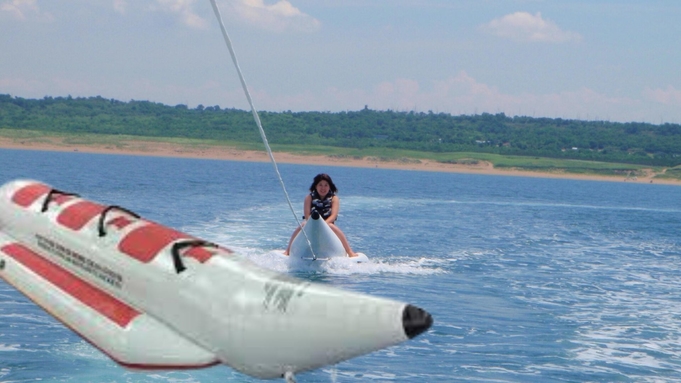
{"x": 228, "y": 41}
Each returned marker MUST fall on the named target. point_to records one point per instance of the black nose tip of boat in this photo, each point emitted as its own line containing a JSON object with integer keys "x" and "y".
{"x": 415, "y": 321}
{"x": 314, "y": 215}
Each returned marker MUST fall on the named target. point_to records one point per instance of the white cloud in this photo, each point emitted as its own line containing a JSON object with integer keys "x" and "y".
{"x": 24, "y": 10}
{"x": 184, "y": 9}
{"x": 120, "y": 6}
{"x": 525, "y": 27}
{"x": 463, "y": 94}
{"x": 278, "y": 17}
{"x": 669, "y": 96}
{"x": 21, "y": 86}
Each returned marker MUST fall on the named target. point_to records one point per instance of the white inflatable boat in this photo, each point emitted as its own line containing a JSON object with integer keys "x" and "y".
{"x": 151, "y": 297}
{"x": 323, "y": 243}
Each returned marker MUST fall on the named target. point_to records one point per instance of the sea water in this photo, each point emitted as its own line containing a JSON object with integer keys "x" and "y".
{"x": 527, "y": 279}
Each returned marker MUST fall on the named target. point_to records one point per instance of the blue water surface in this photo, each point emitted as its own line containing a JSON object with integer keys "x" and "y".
{"x": 528, "y": 279}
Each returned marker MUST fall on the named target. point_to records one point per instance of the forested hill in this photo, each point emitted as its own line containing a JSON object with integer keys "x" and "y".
{"x": 636, "y": 143}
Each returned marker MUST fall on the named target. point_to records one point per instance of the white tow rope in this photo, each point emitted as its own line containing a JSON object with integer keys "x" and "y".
{"x": 257, "y": 119}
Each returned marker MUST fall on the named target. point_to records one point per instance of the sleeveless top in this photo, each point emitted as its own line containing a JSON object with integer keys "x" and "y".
{"x": 323, "y": 206}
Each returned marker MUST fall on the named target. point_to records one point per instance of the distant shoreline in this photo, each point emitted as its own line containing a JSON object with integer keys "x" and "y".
{"x": 169, "y": 149}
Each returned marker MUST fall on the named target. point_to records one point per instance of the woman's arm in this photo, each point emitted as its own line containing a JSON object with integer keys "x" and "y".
{"x": 335, "y": 207}
{"x": 307, "y": 205}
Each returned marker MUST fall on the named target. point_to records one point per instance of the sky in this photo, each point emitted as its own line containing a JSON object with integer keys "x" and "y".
{"x": 610, "y": 60}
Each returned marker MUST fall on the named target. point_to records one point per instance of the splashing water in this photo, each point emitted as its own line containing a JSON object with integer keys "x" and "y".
{"x": 275, "y": 260}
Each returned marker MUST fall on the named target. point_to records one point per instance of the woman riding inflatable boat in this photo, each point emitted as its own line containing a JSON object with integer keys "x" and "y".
{"x": 323, "y": 200}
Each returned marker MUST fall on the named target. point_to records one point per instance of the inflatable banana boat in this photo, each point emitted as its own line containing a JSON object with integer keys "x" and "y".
{"x": 317, "y": 242}
{"x": 151, "y": 297}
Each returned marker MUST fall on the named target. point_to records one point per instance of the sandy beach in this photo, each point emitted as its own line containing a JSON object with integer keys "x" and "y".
{"x": 166, "y": 149}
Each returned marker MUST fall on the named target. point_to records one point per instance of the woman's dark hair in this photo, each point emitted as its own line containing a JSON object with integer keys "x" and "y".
{"x": 323, "y": 177}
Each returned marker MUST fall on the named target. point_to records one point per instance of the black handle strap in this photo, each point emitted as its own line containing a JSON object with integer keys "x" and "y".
{"x": 177, "y": 246}
{"x": 51, "y": 194}
{"x": 102, "y": 217}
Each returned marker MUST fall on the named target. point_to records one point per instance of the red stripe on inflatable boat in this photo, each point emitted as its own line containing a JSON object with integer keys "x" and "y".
{"x": 199, "y": 253}
{"x": 119, "y": 222}
{"x": 146, "y": 242}
{"x": 100, "y": 301}
{"x": 61, "y": 198}
{"x": 153, "y": 367}
{"x": 29, "y": 194}
{"x": 77, "y": 215}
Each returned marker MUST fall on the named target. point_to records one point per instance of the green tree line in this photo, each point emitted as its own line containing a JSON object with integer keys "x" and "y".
{"x": 632, "y": 142}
